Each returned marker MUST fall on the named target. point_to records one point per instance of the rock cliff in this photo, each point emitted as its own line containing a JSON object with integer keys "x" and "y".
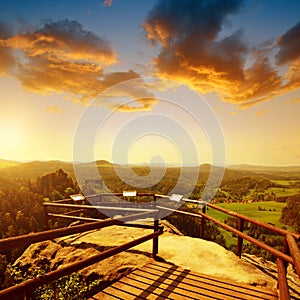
{"x": 190, "y": 253}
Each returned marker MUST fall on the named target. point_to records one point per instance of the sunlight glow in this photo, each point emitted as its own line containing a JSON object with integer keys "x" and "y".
{"x": 151, "y": 147}
{"x": 10, "y": 137}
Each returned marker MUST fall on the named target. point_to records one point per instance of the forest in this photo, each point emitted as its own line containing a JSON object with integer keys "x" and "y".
{"x": 25, "y": 186}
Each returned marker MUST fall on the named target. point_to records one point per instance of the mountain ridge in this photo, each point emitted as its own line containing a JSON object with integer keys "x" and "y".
{"x": 38, "y": 168}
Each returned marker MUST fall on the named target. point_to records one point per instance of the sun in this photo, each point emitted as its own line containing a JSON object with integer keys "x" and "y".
{"x": 10, "y": 137}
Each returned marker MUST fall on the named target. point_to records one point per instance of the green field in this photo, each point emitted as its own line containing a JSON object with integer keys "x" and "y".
{"x": 270, "y": 213}
{"x": 284, "y": 182}
{"x": 283, "y": 191}
{"x": 267, "y": 214}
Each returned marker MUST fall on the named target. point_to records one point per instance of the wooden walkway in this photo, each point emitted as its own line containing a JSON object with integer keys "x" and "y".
{"x": 166, "y": 281}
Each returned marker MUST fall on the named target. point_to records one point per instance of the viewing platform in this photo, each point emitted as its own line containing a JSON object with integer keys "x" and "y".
{"x": 155, "y": 279}
{"x": 160, "y": 280}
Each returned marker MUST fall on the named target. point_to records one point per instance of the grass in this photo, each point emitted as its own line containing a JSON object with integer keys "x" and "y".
{"x": 285, "y": 182}
{"x": 230, "y": 240}
{"x": 287, "y": 189}
{"x": 251, "y": 210}
{"x": 283, "y": 191}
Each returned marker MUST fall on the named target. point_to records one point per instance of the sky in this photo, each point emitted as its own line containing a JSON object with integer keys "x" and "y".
{"x": 151, "y": 81}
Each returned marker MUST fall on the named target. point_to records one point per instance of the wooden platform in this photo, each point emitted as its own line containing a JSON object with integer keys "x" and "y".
{"x": 166, "y": 281}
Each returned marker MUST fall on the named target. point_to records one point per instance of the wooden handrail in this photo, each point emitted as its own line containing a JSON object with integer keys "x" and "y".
{"x": 295, "y": 252}
{"x": 98, "y": 207}
{"x": 70, "y": 217}
{"x": 282, "y": 257}
{"x": 253, "y": 221}
{"x": 283, "y": 287}
{"x": 119, "y": 195}
{"x": 36, "y": 282}
{"x": 254, "y": 241}
{"x": 27, "y": 239}
{"x": 179, "y": 211}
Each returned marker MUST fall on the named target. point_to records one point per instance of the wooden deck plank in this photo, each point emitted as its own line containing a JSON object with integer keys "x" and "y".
{"x": 169, "y": 287}
{"x": 214, "y": 280}
{"x": 104, "y": 296}
{"x": 160, "y": 280}
{"x": 148, "y": 292}
{"x": 201, "y": 285}
{"x": 172, "y": 280}
{"x": 166, "y": 288}
{"x": 119, "y": 291}
{"x": 202, "y": 288}
{"x": 217, "y": 280}
{"x": 209, "y": 283}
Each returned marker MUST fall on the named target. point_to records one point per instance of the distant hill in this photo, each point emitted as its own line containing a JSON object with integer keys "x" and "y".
{"x": 271, "y": 172}
{"x": 102, "y": 162}
{"x": 8, "y": 163}
{"x": 257, "y": 168}
{"x": 34, "y": 169}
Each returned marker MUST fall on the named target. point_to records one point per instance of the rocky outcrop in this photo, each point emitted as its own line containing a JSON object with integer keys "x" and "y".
{"x": 189, "y": 253}
{"x": 270, "y": 269}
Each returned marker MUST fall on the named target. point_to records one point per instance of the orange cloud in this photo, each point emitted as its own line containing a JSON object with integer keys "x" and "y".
{"x": 7, "y": 60}
{"x": 136, "y": 96}
{"x": 186, "y": 33}
{"x": 289, "y": 45}
{"x": 62, "y": 57}
{"x": 65, "y": 40}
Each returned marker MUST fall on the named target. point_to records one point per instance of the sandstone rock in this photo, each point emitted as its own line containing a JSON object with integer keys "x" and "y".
{"x": 190, "y": 253}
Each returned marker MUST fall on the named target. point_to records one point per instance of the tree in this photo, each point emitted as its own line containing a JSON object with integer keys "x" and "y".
{"x": 290, "y": 214}
{"x": 34, "y": 225}
{"x": 69, "y": 191}
{"x": 22, "y": 222}
{"x": 3, "y": 264}
{"x": 55, "y": 185}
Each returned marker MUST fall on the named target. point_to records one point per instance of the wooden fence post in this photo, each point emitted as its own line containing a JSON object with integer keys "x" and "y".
{"x": 46, "y": 217}
{"x": 295, "y": 252}
{"x": 156, "y": 227}
{"x": 282, "y": 284}
{"x": 239, "y": 244}
{"x": 202, "y": 226}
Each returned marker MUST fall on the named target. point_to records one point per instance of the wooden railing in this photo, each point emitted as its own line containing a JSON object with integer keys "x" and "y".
{"x": 282, "y": 257}
{"x": 289, "y": 254}
{"x": 26, "y": 288}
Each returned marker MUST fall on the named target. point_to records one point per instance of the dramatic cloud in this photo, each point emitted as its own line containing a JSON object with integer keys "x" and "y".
{"x": 65, "y": 40}
{"x": 289, "y": 45}
{"x": 191, "y": 51}
{"x": 7, "y": 60}
{"x": 60, "y": 57}
{"x": 137, "y": 95}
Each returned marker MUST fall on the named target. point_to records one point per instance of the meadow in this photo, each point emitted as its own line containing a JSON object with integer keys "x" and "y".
{"x": 266, "y": 211}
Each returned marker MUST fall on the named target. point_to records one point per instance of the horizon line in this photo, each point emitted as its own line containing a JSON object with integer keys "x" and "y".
{"x": 173, "y": 164}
